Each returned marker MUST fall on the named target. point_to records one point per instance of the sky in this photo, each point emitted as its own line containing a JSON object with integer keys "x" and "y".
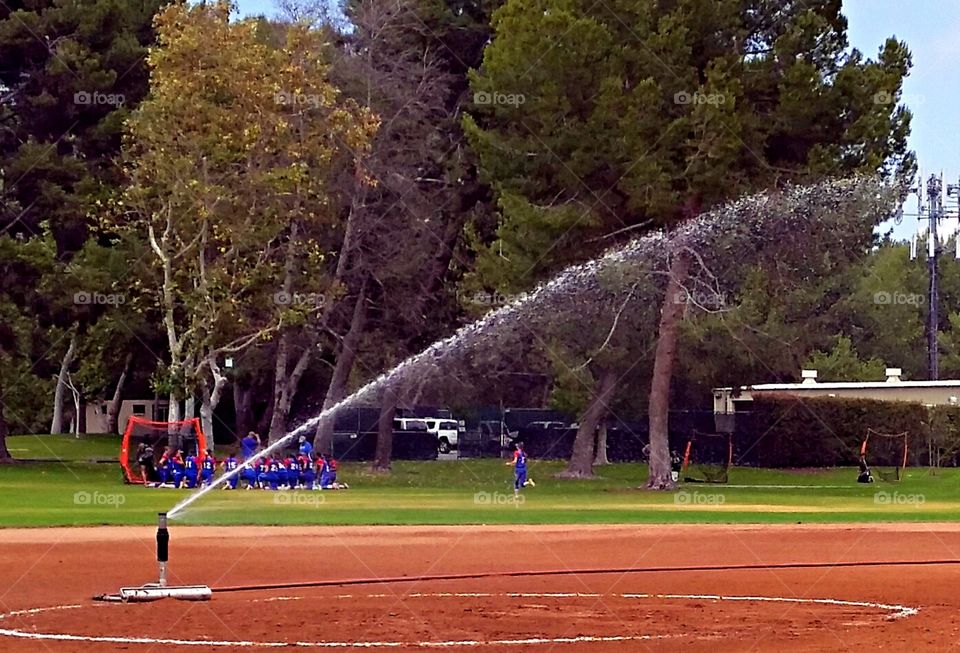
{"x": 931, "y": 29}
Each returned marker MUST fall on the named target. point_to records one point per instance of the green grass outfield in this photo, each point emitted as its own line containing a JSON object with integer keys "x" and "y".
{"x": 67, "y": 491}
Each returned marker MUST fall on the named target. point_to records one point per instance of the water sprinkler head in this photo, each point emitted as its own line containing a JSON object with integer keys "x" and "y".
{"x": 163, "y": 538}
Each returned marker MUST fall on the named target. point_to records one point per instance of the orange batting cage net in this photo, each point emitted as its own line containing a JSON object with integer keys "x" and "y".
{"x": 886, "y": 453}
{"x": 156, "y": 436}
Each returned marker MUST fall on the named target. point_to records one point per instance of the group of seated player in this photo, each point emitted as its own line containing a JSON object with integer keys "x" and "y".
{"x": 293, "y": 472}
{"x": 304, "y": 471}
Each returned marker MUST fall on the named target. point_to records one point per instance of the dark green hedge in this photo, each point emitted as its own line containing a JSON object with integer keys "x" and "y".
{"x": 789, "y": 431}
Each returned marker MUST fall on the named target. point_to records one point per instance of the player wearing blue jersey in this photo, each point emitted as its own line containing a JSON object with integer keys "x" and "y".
{"x": 272, "y": 476}
{"x": 293, "y": 472}
{"x": 519, "y": 463}
{"x": 208, "y": 465}
{"x": 175, "y": 469}
{"x": 191, "y": 471}
{"x": 307, "y": 473}
{"x": 230, "y": 464}
{"x": 251, "y": 474}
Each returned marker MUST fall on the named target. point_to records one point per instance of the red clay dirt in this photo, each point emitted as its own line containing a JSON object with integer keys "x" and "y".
{"x": 762, "y": 609}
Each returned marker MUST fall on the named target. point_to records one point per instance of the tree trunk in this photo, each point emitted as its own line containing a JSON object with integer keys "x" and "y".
{"x": 263, "y": 424}
{"x": 56, "y": 425}
{"x": 173, "y": 415}
{"x": 346, "y": 358}
{"x": 75, "y": 422}
{"x": 388, "y": 409}
{"x": 601, "y": 457}
{"x": 206, "y": 415}
{"x": 113, "y": 407}
{"x": 5, "y": 456}
{"x": 243, "y": 409}
{"x": 210, "y": 399}
{"x": 660, "y": 477}
{"x": 581, "y": 462}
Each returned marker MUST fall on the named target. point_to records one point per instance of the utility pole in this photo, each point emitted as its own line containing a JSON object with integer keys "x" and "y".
{"x": 934, "y": 201}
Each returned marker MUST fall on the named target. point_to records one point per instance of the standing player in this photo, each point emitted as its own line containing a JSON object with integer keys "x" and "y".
{"x": 305, "y": 447}
{"x": 249, "y": 445}
{"x": 145, "y": 461}
{"x": 163, "y": 468}
{"x": 208, "y": 465}
{"x": 519, "y": 463}
{"x": 230, "y": 464}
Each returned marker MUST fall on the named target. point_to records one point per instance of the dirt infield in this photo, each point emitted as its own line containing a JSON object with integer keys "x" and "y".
{"x": 47, "y": 579}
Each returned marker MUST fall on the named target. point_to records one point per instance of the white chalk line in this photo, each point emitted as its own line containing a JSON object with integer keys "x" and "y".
{"x": 897, "y": 612}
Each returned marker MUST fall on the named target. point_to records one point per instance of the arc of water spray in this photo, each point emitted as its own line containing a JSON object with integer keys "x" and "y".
{"x": 558, "y": 282}
{"x": 749, "y": 214}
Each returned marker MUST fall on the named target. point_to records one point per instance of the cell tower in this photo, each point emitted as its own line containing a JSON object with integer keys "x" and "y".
{"x": 932, "y": 224}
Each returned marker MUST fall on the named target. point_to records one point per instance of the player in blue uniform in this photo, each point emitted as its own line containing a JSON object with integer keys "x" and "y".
{"x": 251, "y": 474}
{"x": 305, "y": 447}
{"x": 191, "y": 471}
{"x": 519, "y": 463}
{"x": 272, "y": 476}
{"x": 293, "y": 472}
{"x": 163, "y": 466}
{"x": 208, "y": 465}
{"x": 328, "y": 473}
{"x": 230, "y": 464}
{"x": 308, "y": 476}
{"x": 249, "y": 445}
{"x": 175, "y": 469}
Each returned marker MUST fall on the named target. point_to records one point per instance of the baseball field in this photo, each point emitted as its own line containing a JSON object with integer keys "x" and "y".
{"x": 442, "y": 556}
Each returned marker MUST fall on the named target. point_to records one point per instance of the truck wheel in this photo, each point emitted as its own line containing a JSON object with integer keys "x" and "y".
{"x": 444, "y": 446}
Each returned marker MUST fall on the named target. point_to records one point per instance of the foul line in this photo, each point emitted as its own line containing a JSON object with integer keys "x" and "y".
{"x": 578, "y": 572}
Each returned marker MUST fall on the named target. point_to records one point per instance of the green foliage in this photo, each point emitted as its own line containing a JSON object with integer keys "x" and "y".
{"x": 71, "y": 73}
{"x": 593, "y": 123}
{"x": 790, "y": 431}
{"x": 842, "y": 363}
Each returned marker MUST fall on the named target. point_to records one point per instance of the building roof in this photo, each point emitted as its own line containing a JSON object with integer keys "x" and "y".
{"x": 847, "y": 385}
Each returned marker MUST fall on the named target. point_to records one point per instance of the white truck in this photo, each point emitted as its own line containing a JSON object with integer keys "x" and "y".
{"x": 447, "y": 432}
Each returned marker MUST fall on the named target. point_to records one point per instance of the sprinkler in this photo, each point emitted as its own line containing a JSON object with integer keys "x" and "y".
{"x": 163, "y": 543}
{"x": 160, "y": 589}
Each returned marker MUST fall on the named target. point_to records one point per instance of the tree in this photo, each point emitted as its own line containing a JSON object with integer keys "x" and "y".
{"x": 23, "y": 266}
{"x": 223, "y": 163}
{"x": 643, "y": 115}
{"x": 71, "y": 73}
{"x": 842, "y": 363}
